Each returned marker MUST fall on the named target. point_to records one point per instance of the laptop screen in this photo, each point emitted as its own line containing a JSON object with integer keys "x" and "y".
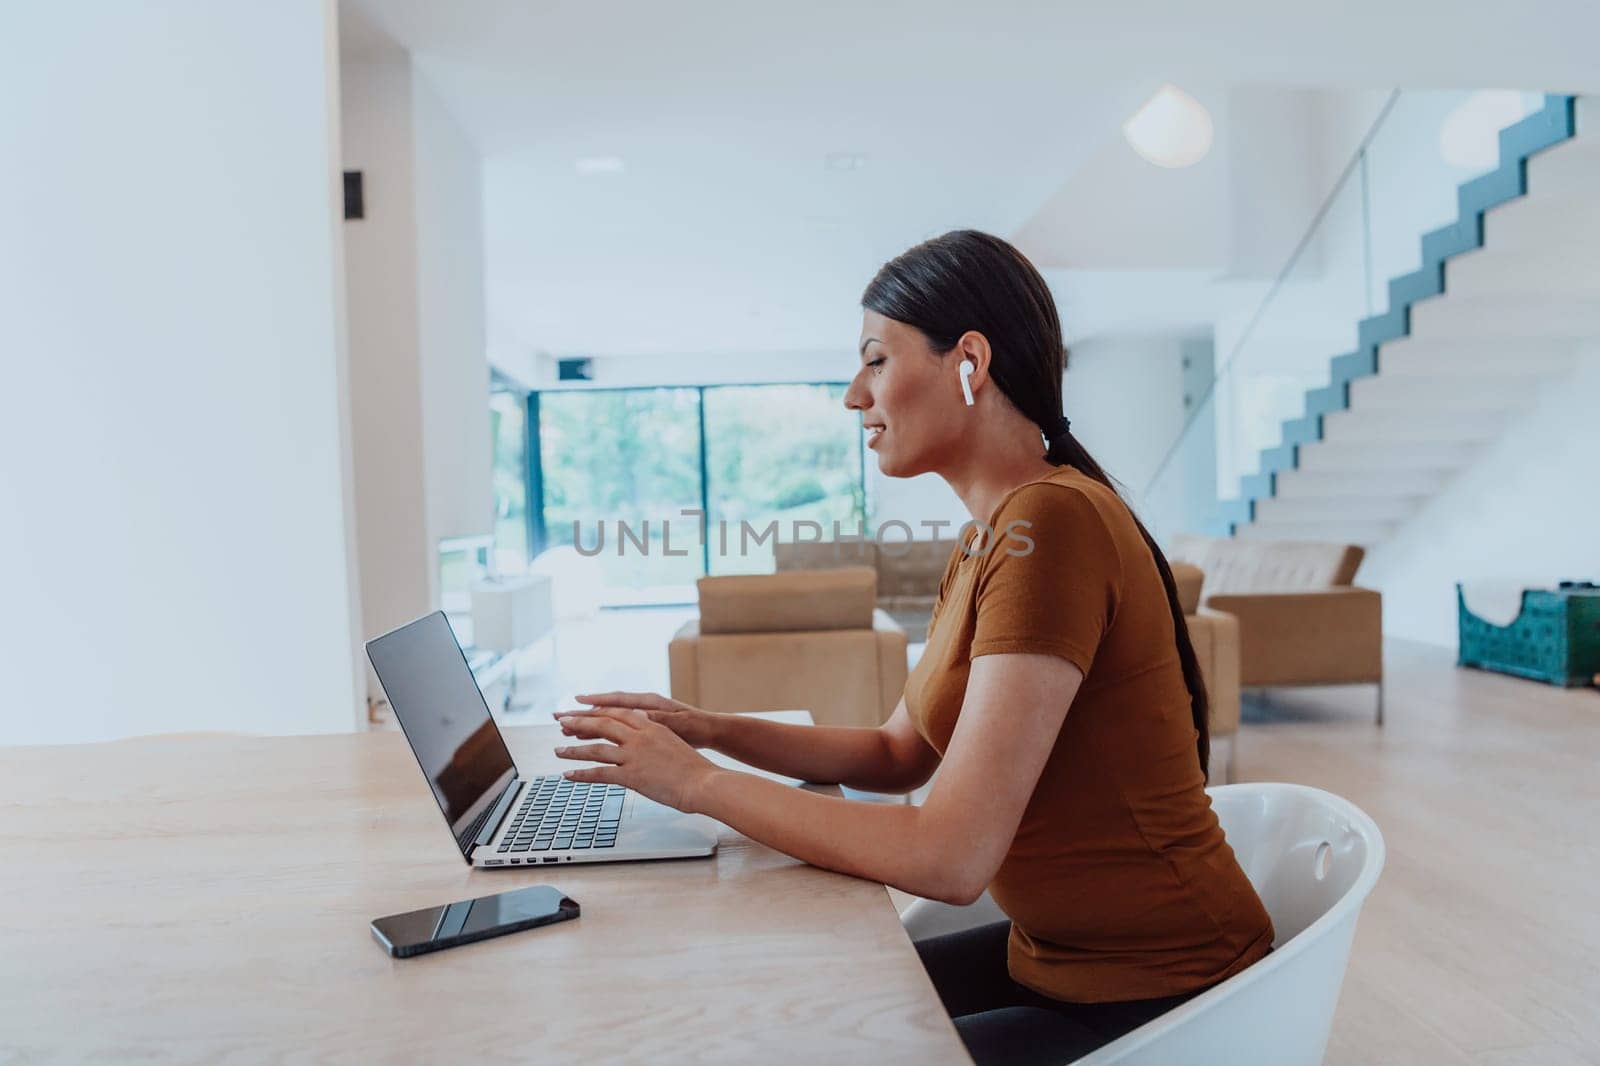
{"x": 438, "y": 704}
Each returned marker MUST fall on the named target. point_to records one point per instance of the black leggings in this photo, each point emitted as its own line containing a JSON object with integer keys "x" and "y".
{"x": 1001, "y": 1021}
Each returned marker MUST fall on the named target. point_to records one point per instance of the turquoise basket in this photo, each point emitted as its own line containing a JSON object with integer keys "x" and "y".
{"x": 1554, "y": 638}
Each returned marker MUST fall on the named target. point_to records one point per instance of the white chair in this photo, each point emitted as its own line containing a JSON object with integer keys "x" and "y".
{"x": 1313, "y": 858}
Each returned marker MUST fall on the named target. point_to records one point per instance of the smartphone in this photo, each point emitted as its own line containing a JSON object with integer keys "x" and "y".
{"x": 437, "y": 928}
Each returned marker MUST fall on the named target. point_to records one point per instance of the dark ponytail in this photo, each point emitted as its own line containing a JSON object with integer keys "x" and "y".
{"x": 966, "y": 280}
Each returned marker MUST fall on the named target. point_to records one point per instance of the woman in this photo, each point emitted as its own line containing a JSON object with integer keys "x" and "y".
{"x": 1059, "y": 697}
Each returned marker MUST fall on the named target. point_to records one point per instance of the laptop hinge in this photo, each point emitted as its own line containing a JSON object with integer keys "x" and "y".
{"x": 497, "y": 813}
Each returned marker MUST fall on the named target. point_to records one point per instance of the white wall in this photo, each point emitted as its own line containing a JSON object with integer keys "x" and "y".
{"x": 1277, "y": 175}
{"x": 419, "y": 362}
{"x": 1118, "y": 212}
{"x": 1125, "y": 398}
{"x": 395, "y": 553}
{"x": 451, "y": 339}
{"x": 1526, "y": 509}
{"x": 170, "y": 452}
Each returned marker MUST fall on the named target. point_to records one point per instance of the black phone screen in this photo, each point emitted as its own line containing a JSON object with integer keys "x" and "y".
{"x": 433, "y": 928}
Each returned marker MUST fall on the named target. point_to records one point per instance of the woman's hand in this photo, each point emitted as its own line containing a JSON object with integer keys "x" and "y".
{"x": 643, "y": 755}
{"x": 695, "y": 726}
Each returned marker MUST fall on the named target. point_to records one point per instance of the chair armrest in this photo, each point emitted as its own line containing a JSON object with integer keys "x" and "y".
{"x": 1215, "y": 636}
{"x": 1325, "y": 637}
{"x": 683, "y": 664}
{"x": 892, "y": 668}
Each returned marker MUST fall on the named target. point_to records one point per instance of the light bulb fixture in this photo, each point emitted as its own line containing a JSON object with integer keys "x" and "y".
{"x": 1171, "y": 130}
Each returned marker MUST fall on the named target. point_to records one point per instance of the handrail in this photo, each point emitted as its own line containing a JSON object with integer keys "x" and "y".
{"x": 1354, "y": 164}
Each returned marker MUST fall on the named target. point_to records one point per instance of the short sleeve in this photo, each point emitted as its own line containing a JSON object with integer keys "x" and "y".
{"x": 1051, "y": 578}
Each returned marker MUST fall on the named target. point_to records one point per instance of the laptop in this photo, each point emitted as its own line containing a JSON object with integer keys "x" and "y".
{"x": 498, "y": 816}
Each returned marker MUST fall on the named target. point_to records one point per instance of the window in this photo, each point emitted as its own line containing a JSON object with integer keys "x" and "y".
{"x": 508, "y": 427}
{"x": 620, "y": 466}
{"x": 642, "y": 482}
{"x": 778, "y": 455}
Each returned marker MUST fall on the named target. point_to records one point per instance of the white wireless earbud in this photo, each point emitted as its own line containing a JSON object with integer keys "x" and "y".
{"x": 965, "y": 370}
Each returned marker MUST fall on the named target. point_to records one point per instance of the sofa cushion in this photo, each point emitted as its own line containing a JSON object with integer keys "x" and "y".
{"x": 1240, "y": 566}
{"x": 912, "y": 568}
{"x": 824, "y": 555}
{"x": 792, "y": 601}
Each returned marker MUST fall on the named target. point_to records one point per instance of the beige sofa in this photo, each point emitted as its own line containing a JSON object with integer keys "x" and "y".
{"x": 813, "y": 640}
{"x": 908, "y": 573}
{"x": 1301, "y": 621}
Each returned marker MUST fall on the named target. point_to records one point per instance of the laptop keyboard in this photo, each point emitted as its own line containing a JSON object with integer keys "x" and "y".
{"x": 557, "y": 814}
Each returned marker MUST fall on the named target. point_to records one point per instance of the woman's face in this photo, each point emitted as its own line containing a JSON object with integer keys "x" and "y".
{"x": 906, "y": 394}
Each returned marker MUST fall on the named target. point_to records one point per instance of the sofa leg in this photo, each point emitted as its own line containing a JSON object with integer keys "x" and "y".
{"x": 1380, "y": 703}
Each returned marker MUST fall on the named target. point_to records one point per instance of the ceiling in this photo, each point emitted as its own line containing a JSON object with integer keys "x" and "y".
{"x": 727, "y": 231}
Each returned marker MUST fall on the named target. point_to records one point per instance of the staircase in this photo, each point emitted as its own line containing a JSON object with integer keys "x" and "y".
{"x": 1504, "y": 298}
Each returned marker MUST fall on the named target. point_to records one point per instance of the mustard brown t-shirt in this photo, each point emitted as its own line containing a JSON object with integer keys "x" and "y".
{"x": 1119, "y": 883}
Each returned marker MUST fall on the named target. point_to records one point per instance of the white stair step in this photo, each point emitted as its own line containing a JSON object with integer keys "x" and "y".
{"x": 1365, "y": 534}
{"x": 1301, "y": 484}
{"x": 1384, "y": 392}
{"x": 1364, "y": 427}
{"x": 1588, "y": 115}
{"x": 1364, "y": 509}
{"x": 1535, "y": 316}
{"x": 1535, "y": 223}
{"x": 1563, "y": 268}
{"x": 1563, "y": 170}
{"x": 1440, "y": 457}
{"x": 1474, "y": 357}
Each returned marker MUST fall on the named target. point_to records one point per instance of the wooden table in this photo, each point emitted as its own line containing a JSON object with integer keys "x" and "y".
{"x": 207, "y": 899}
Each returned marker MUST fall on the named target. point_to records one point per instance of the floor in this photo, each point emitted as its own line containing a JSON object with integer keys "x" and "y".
{"x": 1480, "y": 944}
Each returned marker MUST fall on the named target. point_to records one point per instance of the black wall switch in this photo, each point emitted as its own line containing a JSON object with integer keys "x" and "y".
{"x": 354, "y": 205}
